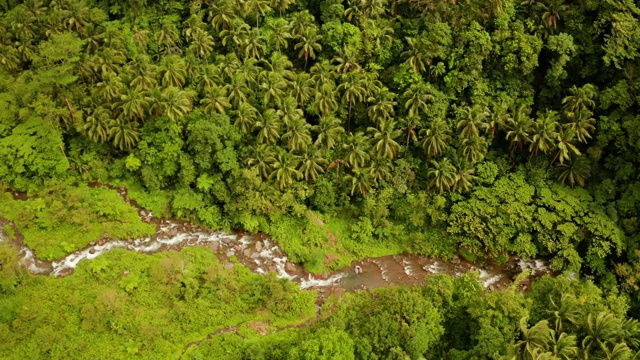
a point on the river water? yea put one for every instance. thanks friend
(262, 255)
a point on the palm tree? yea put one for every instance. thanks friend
(383, 140)
(356, 150)
(473, 149)
(325, 102)
(216, 100)
(297, 136)
(221, 14)
(308, 43)
(536, 337)
(574, 172)
(581, 123)
(246, 118)
(323, 75)
(464, 179)
(418, 96)
(259, 7)
(301, 87)
(351, 89)
(201, 44)
(285, 169)
(261, 160)
(301, 22)
(360, 179)
(132, 105)
(329, 130)
(273, 89)
(410, 124)
(238, 90)
(544, 131)
(442, 175)
(416, 55)
(110, 87)
(173, 71)
(383, 105)
(269, 127)
(96, 125)
(601, 329)
(289, 111)
(380, 169)
(565, 312)
(564, 347)
(280, 34)
(143, 73)
(310, 164)
(281, 5)
(580, 98)
(176, 103)
(123, 133)
(552, 11)
(472, 120)
(435, 138)
(254, 44)
(565, 146)
(519, 129)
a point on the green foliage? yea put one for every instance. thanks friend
(65, 218)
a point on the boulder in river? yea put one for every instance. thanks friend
(255, 255)
(174, 232)
(259, 246)
(289, 267)
(246, 252)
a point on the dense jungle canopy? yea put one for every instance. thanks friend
(344, 130)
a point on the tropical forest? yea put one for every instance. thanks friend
(320, 179)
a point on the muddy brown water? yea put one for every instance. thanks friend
(262, 255)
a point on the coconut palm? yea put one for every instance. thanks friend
(221, 14)
(410, 124)
(257, 7)
(308, 43)
(472, 121)
(581, 123)
(441, 174)
(329, 130)
(273, 88)
(262, 157)
(565, 313)
(574, 172)
(564, 347)
(464, 179)
(380, 169)
(280, 34)
(289, 112)
(536, 337)
(435, 138)
(311, 162)
(297, 136)
(202, 44)
(565, 146)
(301, 22)
(254, 44)
(473, 149)
(216, 100)
(123, 133)
(238, 90)
(600, 328)
(545, 130)
(382, 107)
(351, 89)
(143, 73)
(416, 55)
(285, 170)
(418, 96)
(323, 75)
(176, 103)
(96, 125)
(580, 98)
(173, 71)
(519, 128)
(281, 5)
(301, 87)
(383, 140)
(325, 101)
(246, 118)
(132, 105)
(356, 150)
(110, 87)
(268, 127)
(361, 180)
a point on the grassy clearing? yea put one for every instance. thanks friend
(63, 219)
(131, 306)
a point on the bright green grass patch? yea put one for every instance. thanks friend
(325, 244)
(158, 202)
(64, 219)
(125, 305)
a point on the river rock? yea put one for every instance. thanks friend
(226, 240)
(247, 252)
(255, 255)
(455, 261)
(273, 269)
(92, 251)
(259, 246)
(228, 266)
(214, 246)
(237, 248)
(289, 267)
(173, 232)
(230, 253)
(93, 243)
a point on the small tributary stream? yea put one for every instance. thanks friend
(262, 255)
